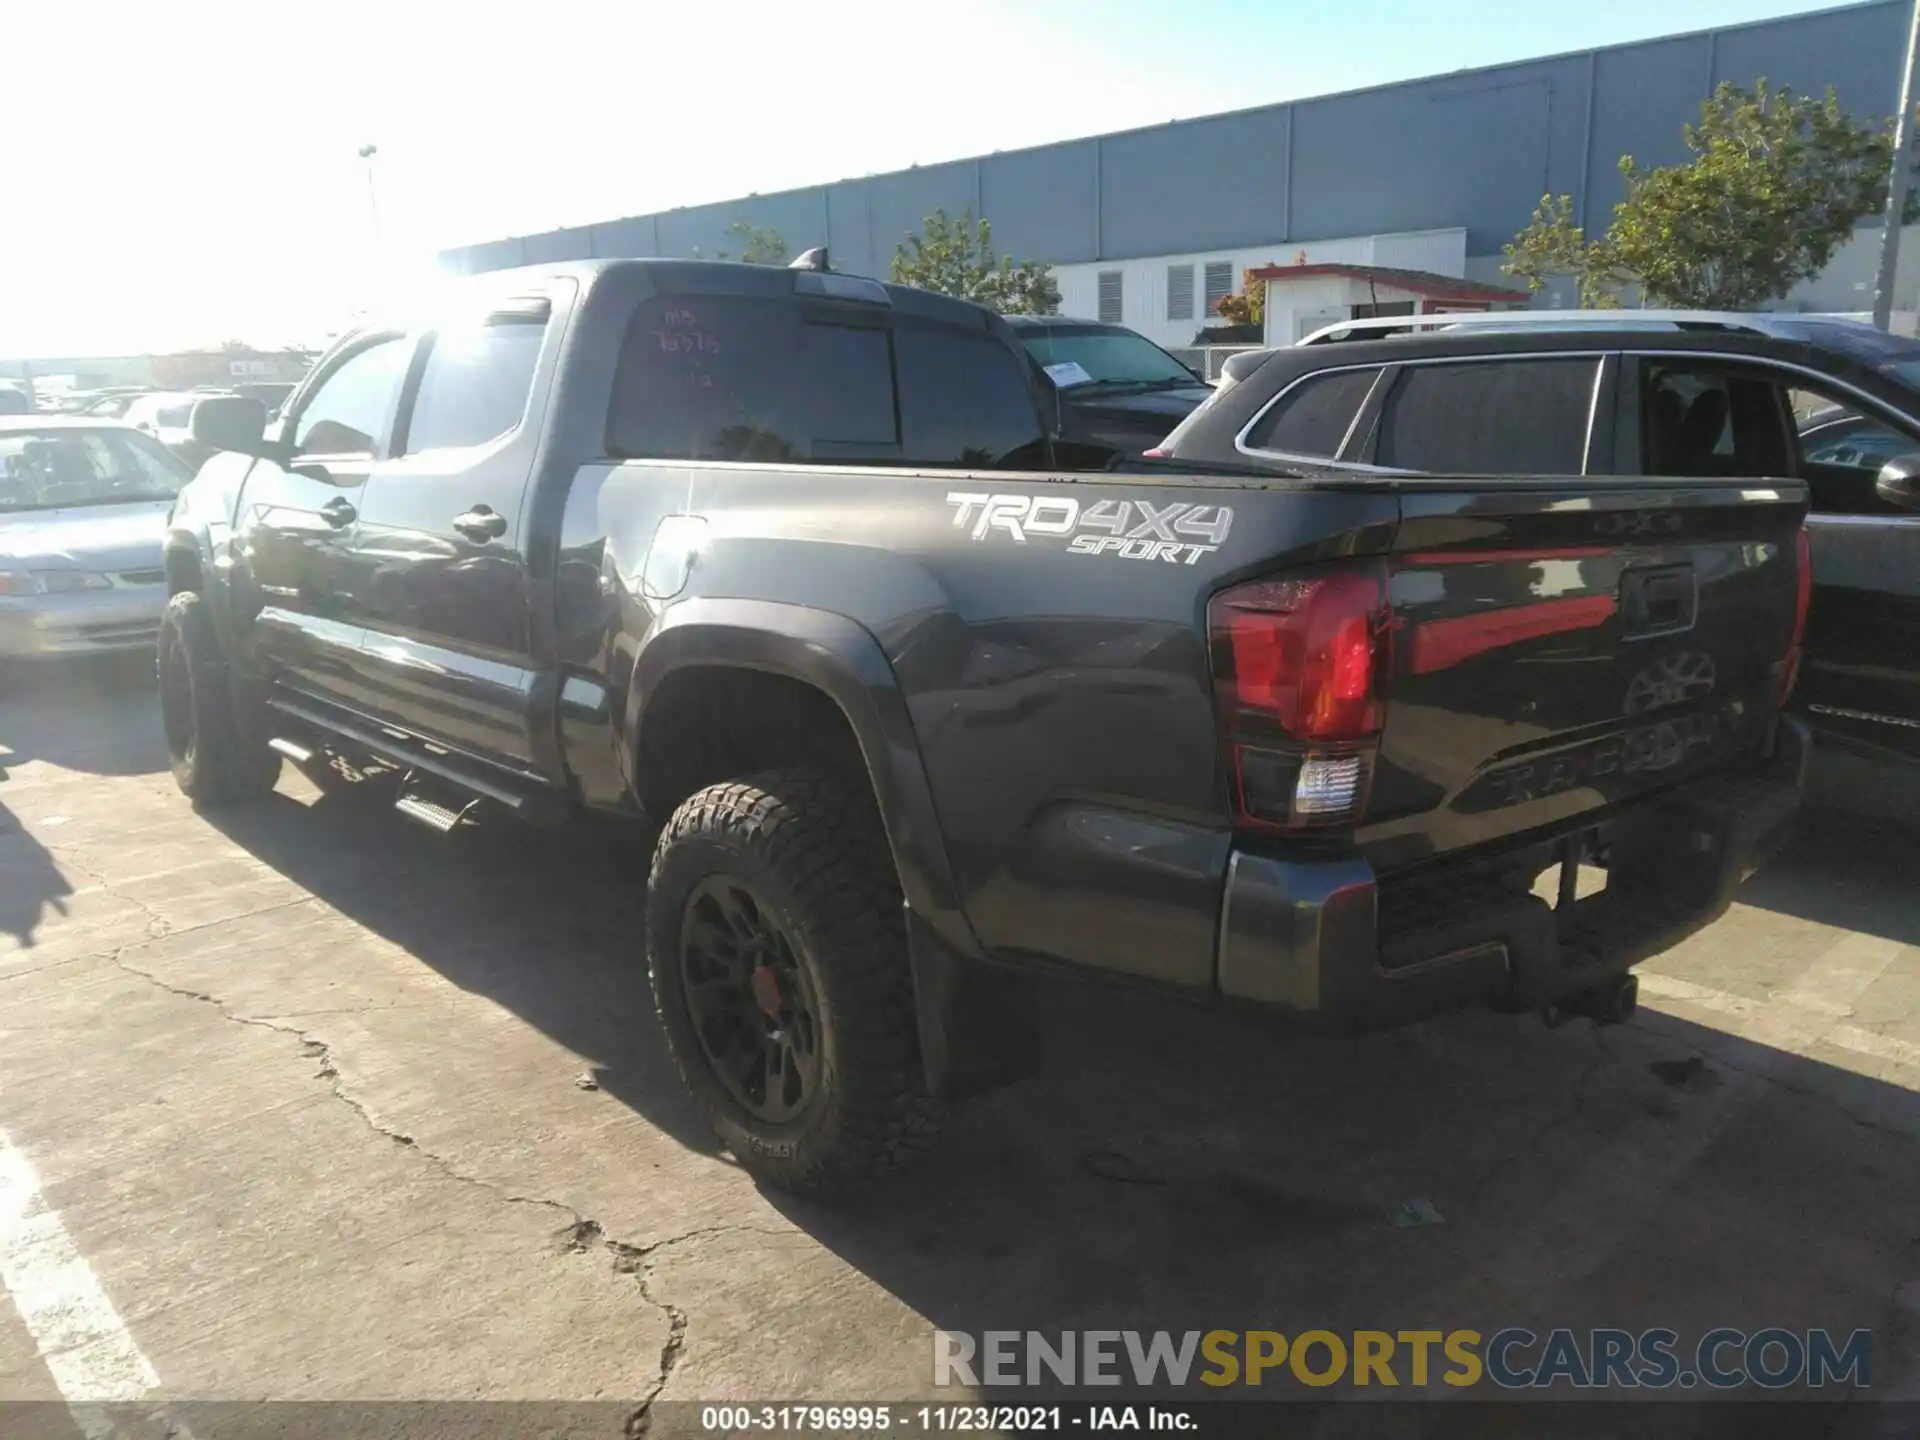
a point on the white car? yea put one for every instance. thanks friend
(83, 510)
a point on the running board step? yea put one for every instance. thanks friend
(298, 754)
(431, 813)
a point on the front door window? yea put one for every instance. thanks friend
(346, 415)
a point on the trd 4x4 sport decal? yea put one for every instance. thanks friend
(1130, 529)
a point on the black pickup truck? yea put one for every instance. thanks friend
(784, 562)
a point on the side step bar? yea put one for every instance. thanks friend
(407, 754)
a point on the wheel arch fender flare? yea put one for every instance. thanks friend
(188, 549)
(185, 545)
(977, 1019)
(840, 658)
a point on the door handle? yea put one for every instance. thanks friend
(481, 524)
(338, 512)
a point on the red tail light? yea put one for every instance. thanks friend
(1789, 670)
(1299, 668)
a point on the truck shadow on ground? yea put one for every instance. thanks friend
(1178, 1169)
(548, 923)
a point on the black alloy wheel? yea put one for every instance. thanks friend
(752, 1004)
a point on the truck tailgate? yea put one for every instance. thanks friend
(1558, 649)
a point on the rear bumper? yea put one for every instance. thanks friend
(101, 622)
(1327, 940)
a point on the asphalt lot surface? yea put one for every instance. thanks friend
(332, 1108)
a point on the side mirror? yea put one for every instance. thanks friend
(231, 422)
(1899, 482)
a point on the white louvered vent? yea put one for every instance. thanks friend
(1219, 283)
(1180, 292)
(1110, 302)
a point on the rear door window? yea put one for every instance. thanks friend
(1313, 417)
(1709, 418)
(725, 377)
(738, 378)
(1490, 417)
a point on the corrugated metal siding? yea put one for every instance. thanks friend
(1041, 202)
(1204, 185)
(1442, 251)
(627, 238)
(1473, 150)
(557, 245)
(1629, 118)
(1857, 51)
(850, 205)
(902, 202)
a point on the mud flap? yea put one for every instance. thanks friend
(979, 1024)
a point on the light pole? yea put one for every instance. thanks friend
(367, 152)
(1897, 183)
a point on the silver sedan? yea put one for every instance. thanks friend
(83, 507)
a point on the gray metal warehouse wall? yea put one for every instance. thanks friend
(1475, 149)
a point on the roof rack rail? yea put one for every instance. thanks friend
(1386, 325)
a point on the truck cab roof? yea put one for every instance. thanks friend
(722, 277)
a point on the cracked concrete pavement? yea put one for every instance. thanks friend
(337, 1109)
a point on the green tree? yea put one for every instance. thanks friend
(1249, 307)
(1776, 184)
(954, 256)
(760, 245)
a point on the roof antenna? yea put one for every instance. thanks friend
(814, 259)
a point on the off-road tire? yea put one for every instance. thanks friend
(216, 735)
(812, 847)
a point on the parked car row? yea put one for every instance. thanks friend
(1854, 403)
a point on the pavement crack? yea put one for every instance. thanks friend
(637, 1260)
(580, 1234)
(640, 1421)
(633, 1259)
(158, 925)
(316, 1049)
(42, 969)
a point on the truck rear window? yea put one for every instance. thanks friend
(737, 378)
